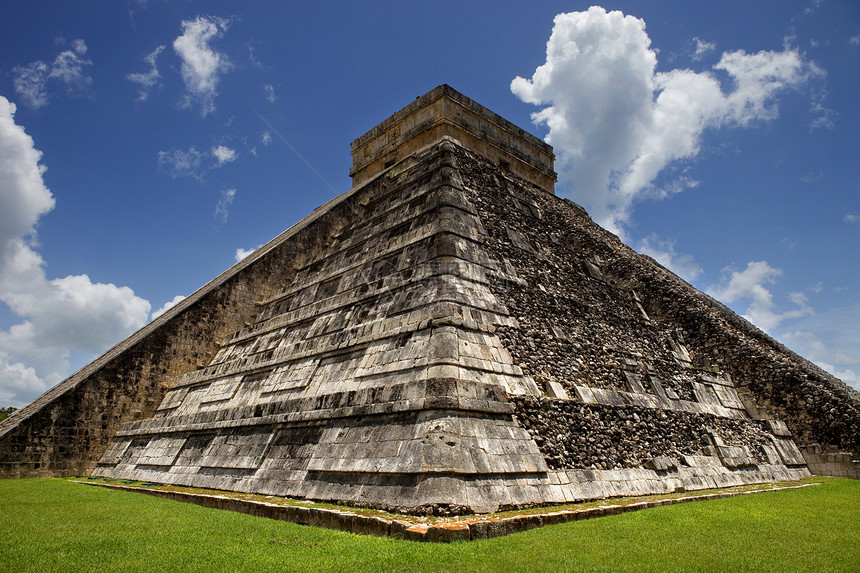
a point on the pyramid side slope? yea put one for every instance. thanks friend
(602, 320)
(66, 429)
(386, 371)
(370, 377)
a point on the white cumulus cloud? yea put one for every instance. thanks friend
(147, 80)
(67, 69)
(848, 375)
(750, 287)
(202, 66)
(223, 154)
(616, 123)
(167, 306)
(58, 315)
(243, 253)
(23, 195)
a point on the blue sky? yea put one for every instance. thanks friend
(146, 145)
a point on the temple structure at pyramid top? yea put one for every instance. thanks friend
(447, 336)
(442, 112)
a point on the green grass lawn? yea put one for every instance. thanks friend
(57, 525)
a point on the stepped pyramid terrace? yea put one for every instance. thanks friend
(448, 336)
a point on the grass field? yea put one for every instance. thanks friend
(56, 525)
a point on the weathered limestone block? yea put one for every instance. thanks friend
(445, 337)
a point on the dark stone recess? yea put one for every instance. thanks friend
(573, 435)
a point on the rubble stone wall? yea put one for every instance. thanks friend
(595, 436)
(596, 318)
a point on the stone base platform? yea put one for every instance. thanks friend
(459, 529)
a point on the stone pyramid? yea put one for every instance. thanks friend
(448, 336)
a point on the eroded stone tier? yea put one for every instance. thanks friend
(373, 377)
(437, 356)
(447, 336)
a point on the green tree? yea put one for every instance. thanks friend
(6, 412)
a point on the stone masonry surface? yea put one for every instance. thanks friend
(446, 337)
(357, 425)
(601, 323)
(371, 377)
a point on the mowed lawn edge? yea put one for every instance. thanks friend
(57, 525)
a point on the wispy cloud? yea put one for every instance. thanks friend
(813, 177)
(222, 209)
(31, 84)
(252, 57)
(806, 343)
(616, 123)
(851, 218)
(31, 81)
(294, 150)
(148, 79)
(750, 286)
(813, 7)
(663, 251)
(193, 163)
(181, 163)
(831, 339)
(133, 7)
(822, 115)
(202, 66)
(269, 93)
(702, 48)
(68, 69)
